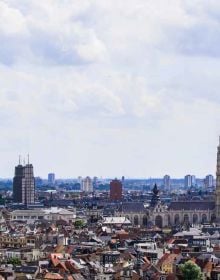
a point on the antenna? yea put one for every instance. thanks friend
(28, 158)
(24, 161)
(19, 159)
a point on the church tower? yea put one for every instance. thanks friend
(217, 196)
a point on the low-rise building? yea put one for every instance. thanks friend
(50, 214)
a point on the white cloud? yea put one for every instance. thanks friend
(85, 80)
(12, 22)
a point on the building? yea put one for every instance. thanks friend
(51, 178)
(49, 214)
(217, 196)
(189, 181)
(123, 181)
(38, 181)
(209, 181)
(24, 184)
(87, 185)
(115, 190)
(166, 182)
(166, 263)
(95, 181)
(178, 213)
(120, 221)
(193, 180)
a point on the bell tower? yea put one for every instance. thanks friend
(217, 195)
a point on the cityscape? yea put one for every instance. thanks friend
(109, 228)
(110, 140)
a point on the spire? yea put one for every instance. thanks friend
(19, 159)
(28, 158)
(217, 195)
(155, 197)
(155, 190)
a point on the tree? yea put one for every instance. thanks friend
(79, 223)
(14, 261)
(191, 271)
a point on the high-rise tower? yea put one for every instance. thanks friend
(217, 196)
(51, 178)
(115, 190)
(17, 184)
(166, 182)
(24, 184)
(87, 185)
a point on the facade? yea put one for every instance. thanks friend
(12, 241)
(123, 181)
(50, 214)
(189, 181)
(51, 178)
(95, 180)
(177, 213)
(24, 184)
(122, 221)
(217, 197)
(87, 185)
(115, 190)
(166, 182)
(209, 181)
(193, 178)
(18, 241)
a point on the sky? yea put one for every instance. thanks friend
(110, 88)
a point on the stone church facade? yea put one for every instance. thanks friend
(177, 212)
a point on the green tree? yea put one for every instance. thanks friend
(79, 223)
(14, 261)
(191, 271)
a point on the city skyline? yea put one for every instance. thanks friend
(110, 89)
(51, 177)
(25, 160)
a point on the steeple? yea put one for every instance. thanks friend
(155, 197)
(217, 198)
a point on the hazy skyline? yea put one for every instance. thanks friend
(110, 88)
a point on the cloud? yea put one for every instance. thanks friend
(78, 74)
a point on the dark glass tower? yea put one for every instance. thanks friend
(17, 184)
(24, 184)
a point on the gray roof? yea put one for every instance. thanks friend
(129, 207)
(192, 205)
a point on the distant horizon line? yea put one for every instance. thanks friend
(114, 177)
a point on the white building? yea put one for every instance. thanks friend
(209, 181)
(51, 214)
(189, 181)
(116, 221)
(87, 185)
